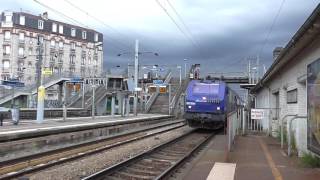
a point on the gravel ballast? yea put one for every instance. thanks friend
(88, 165)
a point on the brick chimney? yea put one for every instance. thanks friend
(276, 52)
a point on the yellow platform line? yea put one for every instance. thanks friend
(275, 171)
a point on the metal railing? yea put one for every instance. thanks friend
(289, 135)
(154, 96)
(32, 89)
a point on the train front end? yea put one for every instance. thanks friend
(205, 104)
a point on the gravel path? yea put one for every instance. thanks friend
(89, 165)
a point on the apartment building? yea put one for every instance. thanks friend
(66, 49)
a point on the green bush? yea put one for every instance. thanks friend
(284, 136)
(309, 160)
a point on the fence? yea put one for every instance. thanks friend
(233, 126)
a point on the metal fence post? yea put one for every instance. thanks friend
(113, 101)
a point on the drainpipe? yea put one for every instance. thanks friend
(281, 128)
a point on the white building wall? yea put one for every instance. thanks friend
(286, 80)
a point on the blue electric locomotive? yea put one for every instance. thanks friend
(208, 102)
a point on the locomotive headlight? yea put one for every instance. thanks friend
(190, 103)
(189, 107)
(218, 108)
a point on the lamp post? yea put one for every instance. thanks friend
(185, 67)
(136, 73)
(179, 67)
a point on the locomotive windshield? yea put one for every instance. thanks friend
(202, 88)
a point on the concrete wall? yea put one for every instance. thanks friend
(284, 81)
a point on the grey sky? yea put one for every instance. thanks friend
(226, 31)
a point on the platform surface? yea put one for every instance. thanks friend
(260, 157)
(30, 126)
(215, 152)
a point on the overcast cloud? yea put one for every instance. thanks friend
(226, 31)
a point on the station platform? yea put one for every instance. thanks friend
(252, 158)
(30, 128)
(260, 157)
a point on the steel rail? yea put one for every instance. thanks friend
(40, 164)
(115, 168)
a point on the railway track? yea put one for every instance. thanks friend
(157, 163)
(31, 164)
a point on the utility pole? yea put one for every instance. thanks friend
(136, 65)
(64, 105)
(179, 67)
(93, 100)
(185, 68)
(249, 71)
(41, 90)
(258, 64)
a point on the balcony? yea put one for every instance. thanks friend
(6, 24)
(52, 50)
(6, 56)
(22, 42)
(72, 51)
(5, 70)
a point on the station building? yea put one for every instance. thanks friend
(291, 86)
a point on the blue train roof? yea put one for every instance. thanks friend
(206, 87)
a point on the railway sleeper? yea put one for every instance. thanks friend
(178, 153)
(169, 157)
(142, 172)
(155, 163)
(125, 175)
(146, 168)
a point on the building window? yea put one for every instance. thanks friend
(6, 64)
(22, 20)
(54, 27)
(29, 64)
(60, 29)
(30, 51)
(40, 24)
(292, 96)
(72, 58)
(8, 18)
(73, 32)
(83, 60)
(21, 51)
(60, 44)
(73, 45)
(7, 35)
(53, 43)
(21, 36)
(96, 37)
(7, 50)
(84, 34)
(89, 60)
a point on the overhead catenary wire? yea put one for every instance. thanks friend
(271, 27)
(176, 23)
(70, 19)
(97, 19)
(100, 21)
(182, 21)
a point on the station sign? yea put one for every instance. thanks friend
(152, 89)
(138, 89)
(257, 114)
(46, 71)
(162, 89)
(13, 83)
(157, 81)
